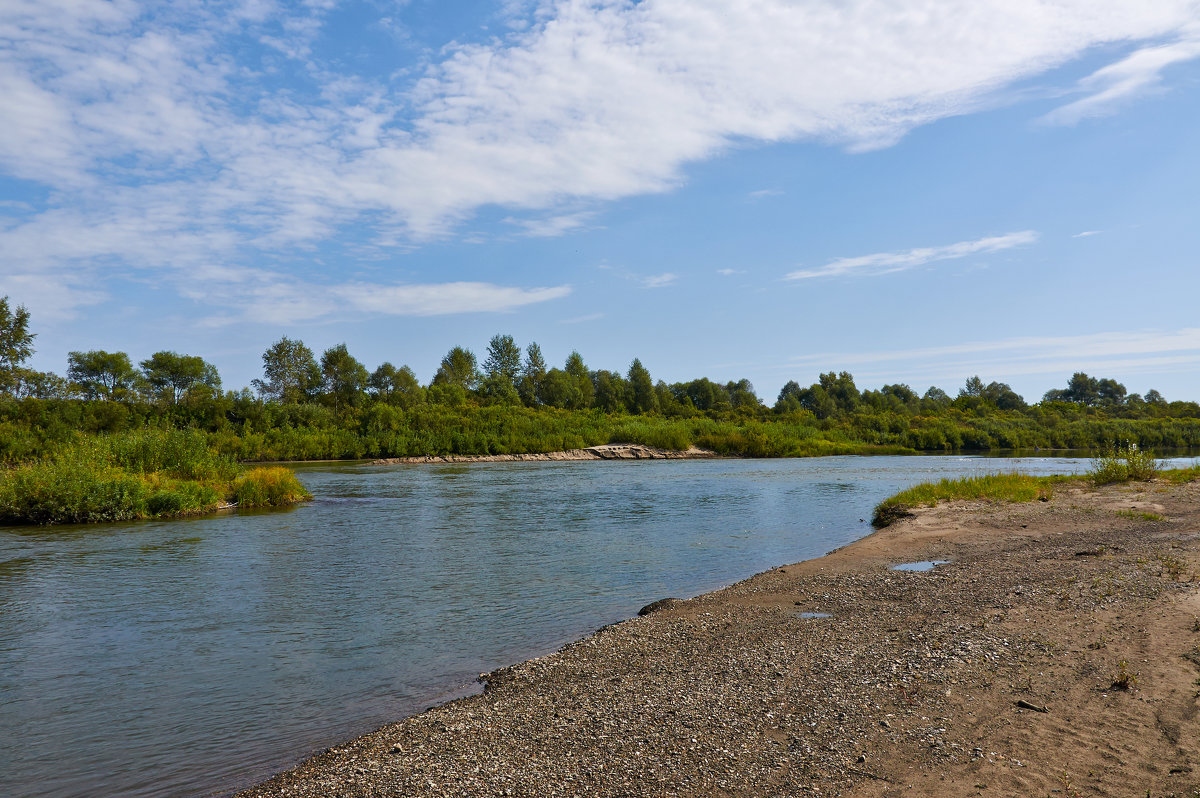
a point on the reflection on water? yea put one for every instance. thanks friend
(190, 657)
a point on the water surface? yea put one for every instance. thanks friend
(192, 657)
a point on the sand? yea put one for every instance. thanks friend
(1056, 654)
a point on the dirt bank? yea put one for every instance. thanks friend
(611, 451)
(998, 674)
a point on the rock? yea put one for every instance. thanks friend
(655, 606)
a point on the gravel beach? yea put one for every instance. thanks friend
(1057, 652)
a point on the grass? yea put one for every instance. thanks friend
(1123, 463)
(149, 473)
(989, 487)
(1140, 516)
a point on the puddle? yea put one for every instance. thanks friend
(814, 615)
(923, 565)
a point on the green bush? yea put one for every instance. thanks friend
(1123, 463)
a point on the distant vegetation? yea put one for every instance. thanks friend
(511, 401)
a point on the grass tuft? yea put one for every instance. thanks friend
(989, 487)
(271, 486)
(1123, 463)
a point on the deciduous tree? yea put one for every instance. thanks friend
(291, 372)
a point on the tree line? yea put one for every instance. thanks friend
(512, 401)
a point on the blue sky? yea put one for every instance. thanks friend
(913, 191)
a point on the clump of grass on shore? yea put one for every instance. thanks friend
(1122, 464)
(272, 486)
(1180, 476)
(148, 473)
(989, 487)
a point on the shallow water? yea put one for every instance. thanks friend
(919, 567)
(193, 657)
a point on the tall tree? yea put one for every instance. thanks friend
(171, 375)
(642, 398)
(16, 344)
(102, 375)
(458, 368)
(291, 371)
(344, 378)
(576, 369)
(503, 359)
(533, 372)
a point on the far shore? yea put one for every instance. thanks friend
(1057, 652)
(610, 451)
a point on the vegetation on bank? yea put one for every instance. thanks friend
(59, 436)
(150, 473)
(1119, 464)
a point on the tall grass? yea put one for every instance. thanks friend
(146, 473)
(988, 487)
(1123, 463)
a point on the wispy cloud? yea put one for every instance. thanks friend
(659, 280)
(1087, 233)
(1109, 87)
(730, 272)
(552, 226)
(886, 262)
(583, 319)
(765, 192)
(162, 138)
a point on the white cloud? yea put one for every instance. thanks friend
(1087, 233)
(552, 226)
(658, 280)
(1116, 84)
(730, 272)
(583, 319)
(887, 262)
(162, 143)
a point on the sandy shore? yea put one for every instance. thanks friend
(609, 451)
(998, 674)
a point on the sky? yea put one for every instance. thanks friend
(913, 191)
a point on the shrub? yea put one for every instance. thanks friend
(1122, 464)
(270, 486)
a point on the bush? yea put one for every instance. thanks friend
(271, 486)
(1122, 464)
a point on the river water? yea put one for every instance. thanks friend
(193, 657)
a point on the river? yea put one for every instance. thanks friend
(193, 657)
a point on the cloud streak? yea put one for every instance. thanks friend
(160, 139)
(888, 262)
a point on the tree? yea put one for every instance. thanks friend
(396, 386)
(974, 387)
(576, 369)
(102, 375)
(458, 368)
(841, 390)
(1153, 397)
(503, 359)
(16, 343)
(291, 371)
(171, 375)
(642, 398)
(1082, 389)
(343, 377)
(532, 373)
(742, 395)
(612, 391)
(560, 389)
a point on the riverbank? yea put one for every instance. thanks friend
(611, 451)
(1057, 651)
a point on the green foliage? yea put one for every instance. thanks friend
(170, 375)
(1123, 463)
(131, 475)
(269, 487)
(642, 398)
(343, 377)
(989, 487)
(16, 344)
(102, 375)
(291, 372)
(458, 368)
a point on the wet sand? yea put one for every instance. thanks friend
(1056, 654)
